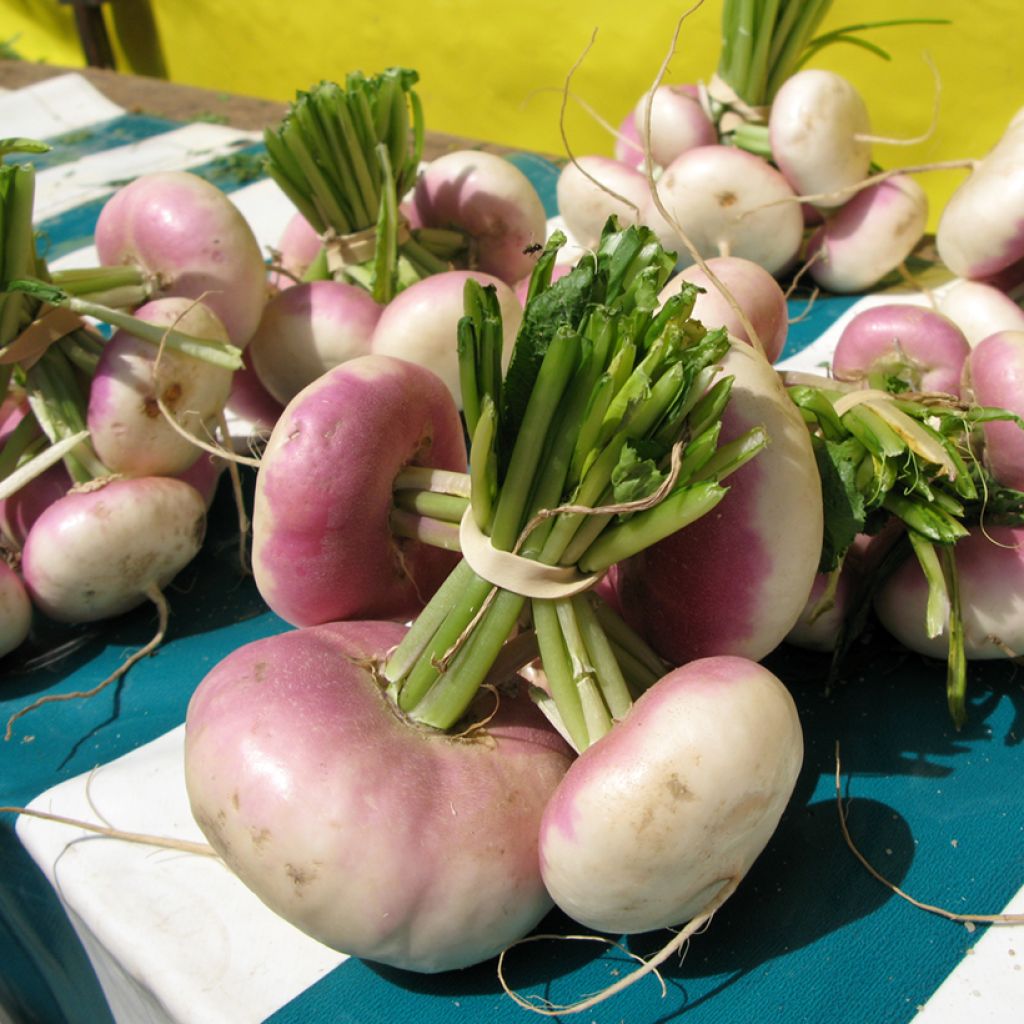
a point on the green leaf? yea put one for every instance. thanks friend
(843, 504)
(635, 476)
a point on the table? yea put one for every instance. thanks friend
(808, 937)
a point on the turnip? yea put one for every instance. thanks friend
(589, 191)
(748, 285)
(15, 610)
(981, 229)
(728, 203)
(250, 405)
(420, 324)
(994, 376)
(923, 349)
(298, 246)
(308, 329)
(677, 122)
(818, 127)
(669, 810)
(104, 549)
(20, 510)
(384, 840)
(980, 309)
(868, 236)
(187, 239)
(492, 201)
(323, 547)
(990, 579)
(736, 581)
(137, 391)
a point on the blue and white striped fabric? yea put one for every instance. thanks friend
(809, 937)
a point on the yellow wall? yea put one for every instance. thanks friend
(493, 72)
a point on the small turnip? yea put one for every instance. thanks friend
(678, 123)
(322, 544)
(308, 329)
(420, 324)
(817, 127)
(994, 376)
(191, 241)
(102, 550)
(673, 806)
(980, 309)
(15, 610)
(751, 287)
(585, 206)
(492, 201)
(729, 203)
(924, 349)
(981, 230)
(990, 570)
(129, 430)
(868, 236)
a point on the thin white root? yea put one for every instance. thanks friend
(565, 137)
(183, 845)
(548, 1009)
(244, 522)
(154, 594)
(892, 887)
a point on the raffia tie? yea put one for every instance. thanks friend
(737, 111)
(49, 327)
(515, 573)
(356, 247)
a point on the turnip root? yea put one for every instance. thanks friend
(994, 376)
(672, 807)
(585, 206)
(990, 571)
(251, 403)
(20, 510)
(980, 309)
(387, 841)
(737, 580)
(104, 549)
(751, 287)
(981, 230)
(678, 123)
(130, 432)
(817, 127)
(421, 323)
(492, 201)
(322, 544)
(920, 347)
(298, 246)
(191, 241)
(308, 329)
(729, 203)
(15, 610)
(869, 236)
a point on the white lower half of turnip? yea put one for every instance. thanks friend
(104, 549)
(15, 610)
(670, 809)
(385, 840)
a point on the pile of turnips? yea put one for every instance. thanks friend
(533, 521)
(772, 161)
(104, 481)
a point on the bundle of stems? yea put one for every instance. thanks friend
(345, 156)
(886, 453)
(601, 438)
